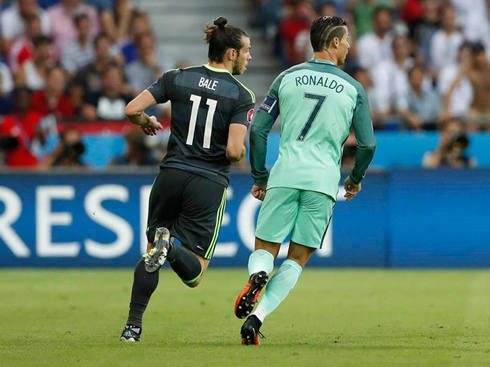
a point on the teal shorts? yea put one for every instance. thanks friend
(303, 214)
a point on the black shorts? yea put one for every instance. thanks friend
(190, 206)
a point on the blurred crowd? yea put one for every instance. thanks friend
(69, 60)
(423, 63)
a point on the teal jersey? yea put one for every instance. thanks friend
(318, 104)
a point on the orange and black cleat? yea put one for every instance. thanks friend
(247, 299)
(250, 331)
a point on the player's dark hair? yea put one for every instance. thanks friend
(221, 37)
(324, 30)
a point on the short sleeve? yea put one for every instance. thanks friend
(161, 88)
(244, 108)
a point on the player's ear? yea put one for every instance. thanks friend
(231, 54)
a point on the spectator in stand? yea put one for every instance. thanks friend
(21, 124)
(299, 19)
(148, 67)
(110, 103)
(52, 99)
(458, 104)
(422, 30)
(115, 22)
(68, 151)
(33, 72)
(446, 41)
(90, 76)
(472, 17)
(6, 88)
(302, 45)
(372, 48)
(363, 77)
(62, 25)
(76, 94)
(424, 104)
(137, 152)
(390, 83)
(269, 17)
(411, 12)
(79, 52)
(452, 149)
(22, 48)
(101, 5)
(363, 11)
(6, 81)
(139, 26)
(14, 18)
(477, 70)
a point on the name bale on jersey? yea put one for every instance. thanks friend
(324, 82)
(208, 83)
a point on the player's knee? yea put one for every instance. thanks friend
(194, 284)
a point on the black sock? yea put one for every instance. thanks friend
(144, 284)
(184, 263)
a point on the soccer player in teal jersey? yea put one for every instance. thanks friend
(318, 104)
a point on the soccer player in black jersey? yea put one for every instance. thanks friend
(211, 111)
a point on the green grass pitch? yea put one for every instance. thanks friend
(332, 318)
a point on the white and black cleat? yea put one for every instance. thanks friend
(131, 334)
(155, 258)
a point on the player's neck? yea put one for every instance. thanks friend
(325, 55)
(221, 65)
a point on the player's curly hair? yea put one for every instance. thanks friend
(221, 37)
(324, 30)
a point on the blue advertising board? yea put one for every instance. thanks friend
(439, 218)
(98, 220)
(402, 218)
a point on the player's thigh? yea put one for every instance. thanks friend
(277, 214)
(202, 208)
(314, 214)
(164, 203)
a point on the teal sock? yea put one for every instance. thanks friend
(260, 260)
(278, 288)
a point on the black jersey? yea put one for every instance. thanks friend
(205, 101)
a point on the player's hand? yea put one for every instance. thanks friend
(351, 189)
(151, 126)
(258, 192)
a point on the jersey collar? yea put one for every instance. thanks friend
(207, 66)
(321, 61)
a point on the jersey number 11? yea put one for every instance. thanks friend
(208, 129)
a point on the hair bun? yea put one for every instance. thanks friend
(220, 22)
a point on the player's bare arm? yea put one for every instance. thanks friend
(135, 111)
(235, 149)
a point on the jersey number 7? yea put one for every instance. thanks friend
(208, 129)
(318, 105)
